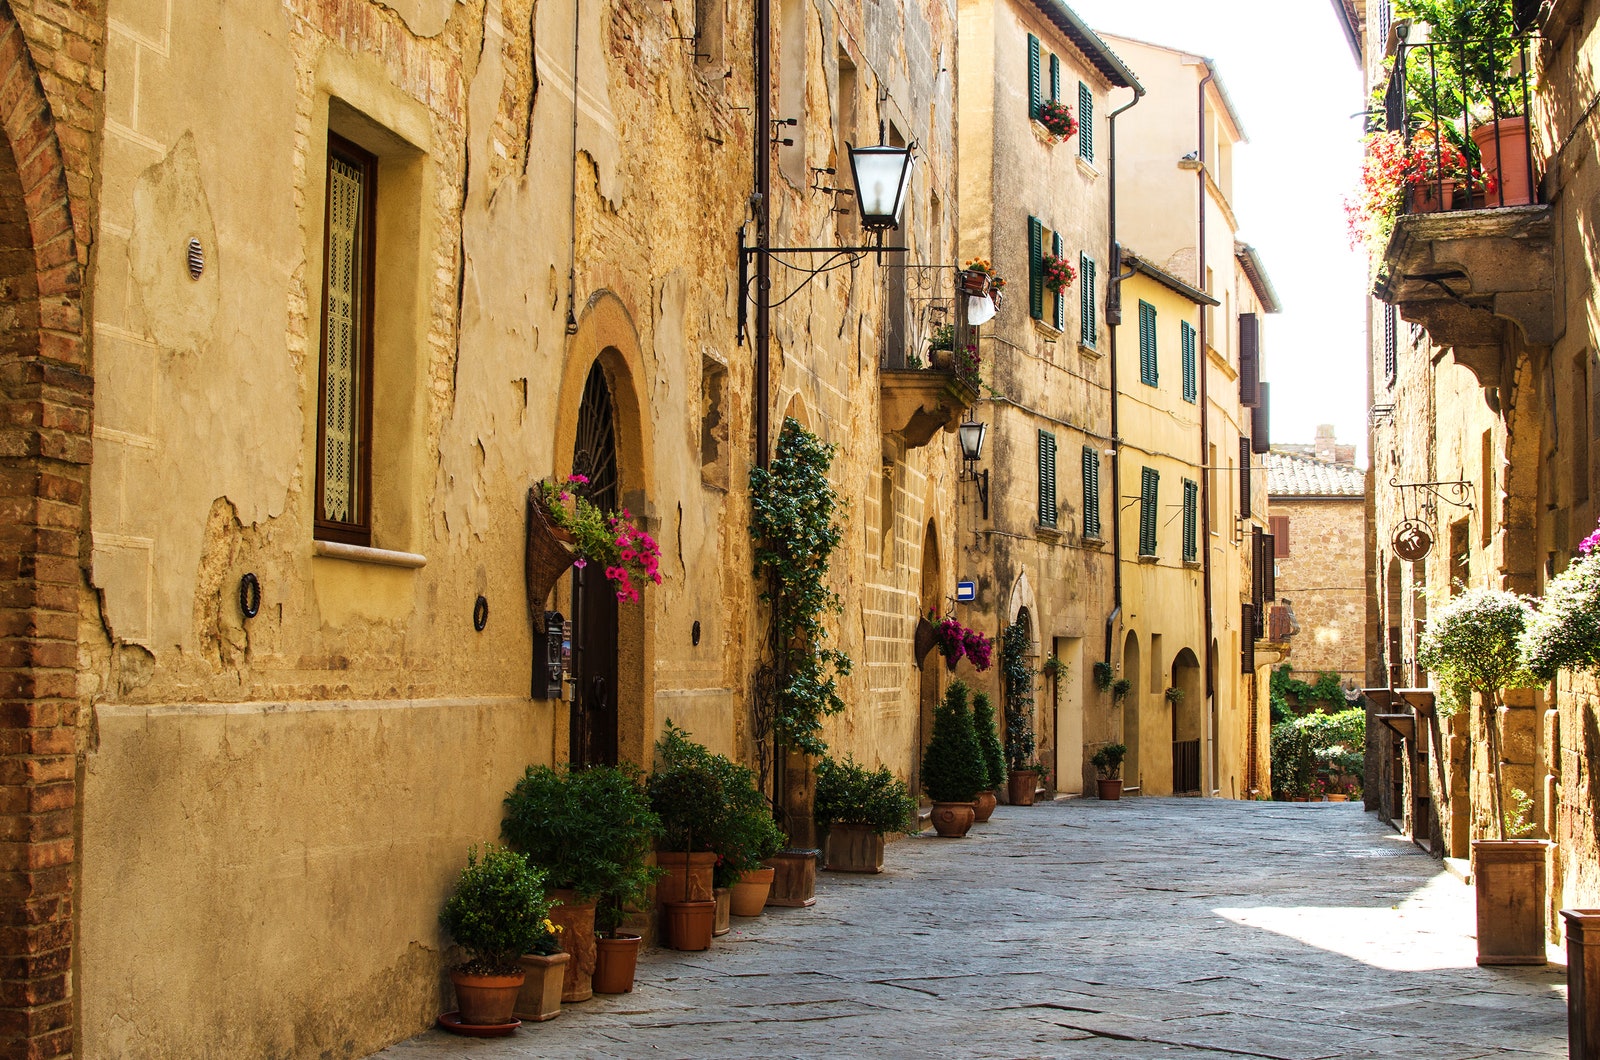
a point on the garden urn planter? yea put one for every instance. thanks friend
(1583, 983)
(485, 1000)
(723, 923)
(616, 958)
(854, 848)
(577, 938)
(1503, 146)
(543, 980)
(1508, 875)
(952, 820)
(690, 924)
(750, 892)
(1110, 789)
(794, 884)
(987, 801)
(1021, 785)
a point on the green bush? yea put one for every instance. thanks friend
(1564, 633)
(1108, 760)
(1314, 745)
(994, 758)
(497, 910)
(708, 802)
(850, 793)
(952, 766)
(590, 830)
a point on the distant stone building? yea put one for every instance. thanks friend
(1316, 506)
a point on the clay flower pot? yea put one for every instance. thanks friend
(795, 883)
(577, 938)
(616, 958)
(1110, 789)
(690, 924)
(1509, 878)
(854, 848)
(1503, 146)
(952, 820)
(1021, 785)
(485, 1000)
(723, 923)
(987, 801)
(544, 978)
(749, 896)
(701, 864)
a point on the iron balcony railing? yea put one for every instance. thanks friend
(1461, 109)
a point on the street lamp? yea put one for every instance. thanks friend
(882, 174)
(971, 435)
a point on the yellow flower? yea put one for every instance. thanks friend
(552, 928)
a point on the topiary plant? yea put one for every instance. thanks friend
(1564, 633)
(850, 793)
(994, 758)
(952, 766)
(497, 910)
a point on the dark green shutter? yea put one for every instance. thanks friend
(1091, 491)
(1035, 96)
(1055, 78)
(1191, 511)
(1191, 391)
(1085, 122)
(1149, 495)
(1249, 359)
(1148, 372)
(1060, 296)
(1035, 268)
(1244, 478)
(1047, 479)
(1088, 329)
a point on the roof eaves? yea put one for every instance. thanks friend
(1350, 24)
(1167, 280)
(1256, 272)
(1108, 62)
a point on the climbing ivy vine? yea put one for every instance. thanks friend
(1017, 678)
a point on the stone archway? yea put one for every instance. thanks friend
(45, 421)
(1133, 673)
(1188, 720)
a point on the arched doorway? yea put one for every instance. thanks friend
(1392, 609)
(1133, 673)
(928, 679)
(593, 733)
(1186, 724)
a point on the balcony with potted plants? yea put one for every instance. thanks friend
(1449, 200)
(926, 387)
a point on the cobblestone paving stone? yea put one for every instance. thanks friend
(1194, 929)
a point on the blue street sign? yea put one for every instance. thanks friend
(966, 592)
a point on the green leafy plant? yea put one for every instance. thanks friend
(1104, 676)
(1054, 668)
(1474, 57)
(1328, 689)
(952, 766)
(590, 830)
(1473, 643)
(610, 540)
(1107, 761)
(1318, 746)
(1016, 678)
(746, 834)
(707, 802)
(1120, 689)
(1174, 695)
(1564, 633)
(994, 757)
(850, 793)
(792, 521)
(496, 911)
(1520, 825)
(944, 337)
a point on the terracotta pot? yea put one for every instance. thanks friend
(1503, 146)
(1508, 876)
(1434, 197)
(1583, 982)
(794, 885)
(577, 938)
(750, 892)
(1338, 798)
(616, 958)
(987, 801)
(670, 888)
(1110, 788)
(952, 820)
(722, 924)
(1021, 785)
(484, 1000)
(543, 980)
(690, 924)
(854, 848)
(974, 283)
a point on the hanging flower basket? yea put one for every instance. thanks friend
(979, 278)
(1058, 120)
(1058, 273)
(630, 556)
(549, 552)
(955, 640)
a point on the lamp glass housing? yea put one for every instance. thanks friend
(882, 174)
(971, 434)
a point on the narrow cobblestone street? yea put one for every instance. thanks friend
(1146, 928)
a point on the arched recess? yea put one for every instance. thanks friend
(795, 410)
(607, 339)
(1394, 621)
(1213, 738)
(46, 413)
(1188, 739)
(1024, 605)
(929, 678)
(1133, 673)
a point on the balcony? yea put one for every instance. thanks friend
(928, 379)
(917, 403)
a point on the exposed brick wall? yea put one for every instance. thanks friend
(45, 422)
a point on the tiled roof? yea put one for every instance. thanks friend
(1289, 475)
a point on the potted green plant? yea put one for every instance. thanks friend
(1120, 689)
(590, 830)
(495, 913)
(858, 807)
(994, 756)
(544, 969)
(1174, 695)
(686, 792)
(742, 836)
(1104, 676)
(1107, 762)
(1474, 645)
(953, 771)
(1016, 678)
(1057, 119)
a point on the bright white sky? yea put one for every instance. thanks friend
(1295, 83)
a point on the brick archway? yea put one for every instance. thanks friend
(45, 416)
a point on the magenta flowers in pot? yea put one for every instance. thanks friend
(955, 640)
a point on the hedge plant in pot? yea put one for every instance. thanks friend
(1474, 645)
(994, 756)
(1108, 763)
(1016, 677)
(952, 767)
(686, 792)
(744, 835)
(858, 807)
(591, 831)
(495, 913)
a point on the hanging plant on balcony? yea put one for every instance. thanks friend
(967, 362)
(630, 556)
(1058, 273)
(955, 640)
(1058, 120)
(992, 283)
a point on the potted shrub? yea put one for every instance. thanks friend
(1107, 762)
(952, 767)
(686, 792)
(590, 830)
(616, 950)
(994, 757)
(495, 913)
(858, 807)
(544, 971)
(1016, 676)
(1174, 695)
(742, 837)
(1474, 644)
(1057, 119)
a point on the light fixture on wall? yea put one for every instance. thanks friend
(882, 175)
(971, 434)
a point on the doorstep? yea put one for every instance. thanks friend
(1460, 868)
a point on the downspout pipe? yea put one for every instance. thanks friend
(1113, 319)
(1205, 412)
(761, 201)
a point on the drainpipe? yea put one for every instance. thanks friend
(761, 200)
(1113, 319)
(1205, 432)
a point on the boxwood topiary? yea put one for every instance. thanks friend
(994, 757)
(952, 766)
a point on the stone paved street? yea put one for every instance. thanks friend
(1147, 928)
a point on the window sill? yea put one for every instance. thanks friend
(1087, 168)
(1047, 533)
(1092, 542)
(1192, 564)
(1050, 332)
(1149, 559)
(383, 557)
(1090, 351)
